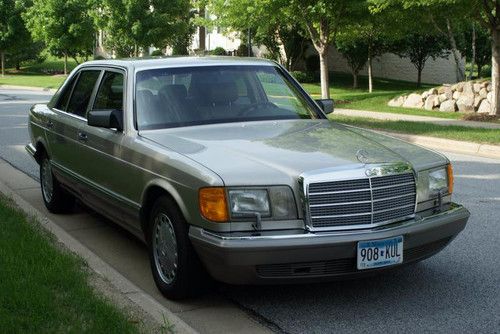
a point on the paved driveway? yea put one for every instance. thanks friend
(456, 290)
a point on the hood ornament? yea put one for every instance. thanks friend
(362, 156)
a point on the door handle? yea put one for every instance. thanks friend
(82, 136)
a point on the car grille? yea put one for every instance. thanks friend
(361, 203)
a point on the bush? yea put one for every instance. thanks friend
(98, 57)
(218, 51)
(156, 53)
(312, 63)
(305, 77)
(242, 51)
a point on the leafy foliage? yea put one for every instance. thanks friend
(65, 26)
(134, 24)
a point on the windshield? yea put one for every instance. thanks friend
(173, 97)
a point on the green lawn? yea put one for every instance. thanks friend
(488, 136)
(45, 289)
(38, 74)
(384, 90)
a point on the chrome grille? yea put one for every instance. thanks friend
(362, 202)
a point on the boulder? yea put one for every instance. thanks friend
(449, 93)
(433, 91)
(489, 96)
(431, 101)
(443, 97)
(458, 87)
(477, 87)
(397, 101)
(413, 101)
(448, 105)
(425, 95)
(456, 95)
(483, 93)
(466, 102)
(441, 89)
(484, 107)
(488, 88)
(477, 101)
(468, 88)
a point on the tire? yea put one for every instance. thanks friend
(175, 266)
(55, 198)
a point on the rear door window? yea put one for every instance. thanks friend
(82, 92)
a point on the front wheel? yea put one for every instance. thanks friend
(176, 269)
(55, 198)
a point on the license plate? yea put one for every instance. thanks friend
(380, 253)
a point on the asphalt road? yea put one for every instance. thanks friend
(457, 290)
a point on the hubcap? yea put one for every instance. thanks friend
(165, 248)
(47, 185)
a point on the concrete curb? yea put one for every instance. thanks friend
(35, 89)
(455, 146)
(101, 268)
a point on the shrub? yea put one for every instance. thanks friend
(242, 51)
(218, 51)
(99, 57)
(305, 77)
(156, 53)
(312, 63)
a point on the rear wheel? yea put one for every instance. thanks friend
(55, 198)
(175, 266)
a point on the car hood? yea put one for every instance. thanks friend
(277, 152)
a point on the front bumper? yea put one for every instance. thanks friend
(274, 257)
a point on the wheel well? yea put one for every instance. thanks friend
(152, 194)
(40, 151)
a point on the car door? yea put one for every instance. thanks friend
(107, 173)
(68, 115)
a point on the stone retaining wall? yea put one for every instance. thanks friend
(463, 97)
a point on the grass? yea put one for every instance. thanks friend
(45, 289)
(384, 90)
(478, 135)
(37, 74)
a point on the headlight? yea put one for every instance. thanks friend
(273, 202)
(432, 182)
(245, 202)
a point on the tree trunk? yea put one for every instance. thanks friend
(354, 79)
(454, 50)
(323, 67)
(18, 66)
(473, 60)
(419, 77)
(370, 73)
(479, 70)
(495, 71)
(2, 56)
(65, 64)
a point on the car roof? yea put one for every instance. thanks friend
(159, 62)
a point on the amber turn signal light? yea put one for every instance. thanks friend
(450, 178)
(213, 204)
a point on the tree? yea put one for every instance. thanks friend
(65, 26)
(356, 54)
(445, 17)
(7, 28)
(481, 42)
(322, 19)
(134, 24)
(487, 14)
(419, 47)
(269, 22)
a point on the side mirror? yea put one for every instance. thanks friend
(109, 119)
(327, 105)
